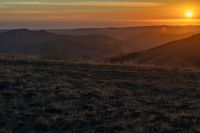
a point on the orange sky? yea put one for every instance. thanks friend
(90, 13)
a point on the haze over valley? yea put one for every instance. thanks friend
(96, 44)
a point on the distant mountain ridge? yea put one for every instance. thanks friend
(44, 43)
(135, 39)
(94, 43)
(184, 52)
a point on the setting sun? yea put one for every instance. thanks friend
(189, 14)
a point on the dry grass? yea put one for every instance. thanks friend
(52, 97)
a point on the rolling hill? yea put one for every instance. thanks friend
(89, 44)
(135, 39)
(46, 44)
(184, 52)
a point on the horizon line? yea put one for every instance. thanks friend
(102, 27)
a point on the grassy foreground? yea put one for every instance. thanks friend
(63, 97)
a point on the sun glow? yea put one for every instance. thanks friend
(189, 14)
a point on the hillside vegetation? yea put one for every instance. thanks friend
(44, 96)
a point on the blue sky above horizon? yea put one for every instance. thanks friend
(95, 13)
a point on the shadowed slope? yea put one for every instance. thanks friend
(185, 52)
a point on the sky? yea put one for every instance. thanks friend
(96, 13)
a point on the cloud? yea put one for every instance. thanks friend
(95, 4)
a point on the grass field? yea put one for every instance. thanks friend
(55, 97)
